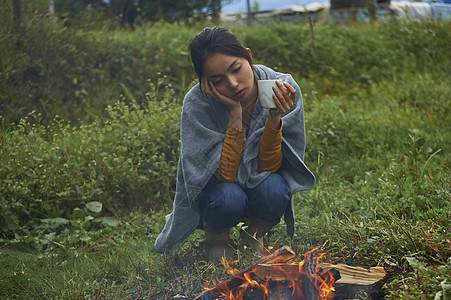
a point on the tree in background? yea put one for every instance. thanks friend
(127, 10)
(147, 10)
(172, 10)
(73, 7)
(18, 17)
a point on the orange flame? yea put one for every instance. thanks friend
(298, 279)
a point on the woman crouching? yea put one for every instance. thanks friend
(238, 161)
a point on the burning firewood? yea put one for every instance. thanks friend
(281, 255)
(277, 277)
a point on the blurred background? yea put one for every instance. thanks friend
(48, 69)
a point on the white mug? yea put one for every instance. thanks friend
(265, 93)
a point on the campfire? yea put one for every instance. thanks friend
(278, 276)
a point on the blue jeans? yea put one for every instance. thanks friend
(224, 204)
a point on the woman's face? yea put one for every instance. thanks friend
(232, 77)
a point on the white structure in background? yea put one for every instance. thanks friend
(415, 11)
(293, 9)
(290, 13)
(418, 11)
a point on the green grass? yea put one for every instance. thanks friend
(382, 198)
(83, 200)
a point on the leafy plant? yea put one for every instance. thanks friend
(126, 160)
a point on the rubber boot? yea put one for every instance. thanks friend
(219, 245)
(252, 236)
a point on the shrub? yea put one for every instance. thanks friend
(59, 70)
(126, 160)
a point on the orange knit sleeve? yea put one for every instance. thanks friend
(270, 153)
(231, 154)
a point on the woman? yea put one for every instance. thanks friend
(238, 161)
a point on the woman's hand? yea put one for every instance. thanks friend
(284, 97)
(209, 88)
(235, 117)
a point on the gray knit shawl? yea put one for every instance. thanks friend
(203, 126)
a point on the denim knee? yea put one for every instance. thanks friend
(268, 201)
(222, 206)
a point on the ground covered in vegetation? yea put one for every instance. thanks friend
(89, 144)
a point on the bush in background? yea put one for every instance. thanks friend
(127, 161)
(76, 73)
(77, 70)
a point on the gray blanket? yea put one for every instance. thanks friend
(203, 127)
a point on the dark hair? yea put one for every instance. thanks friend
(215, 40)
